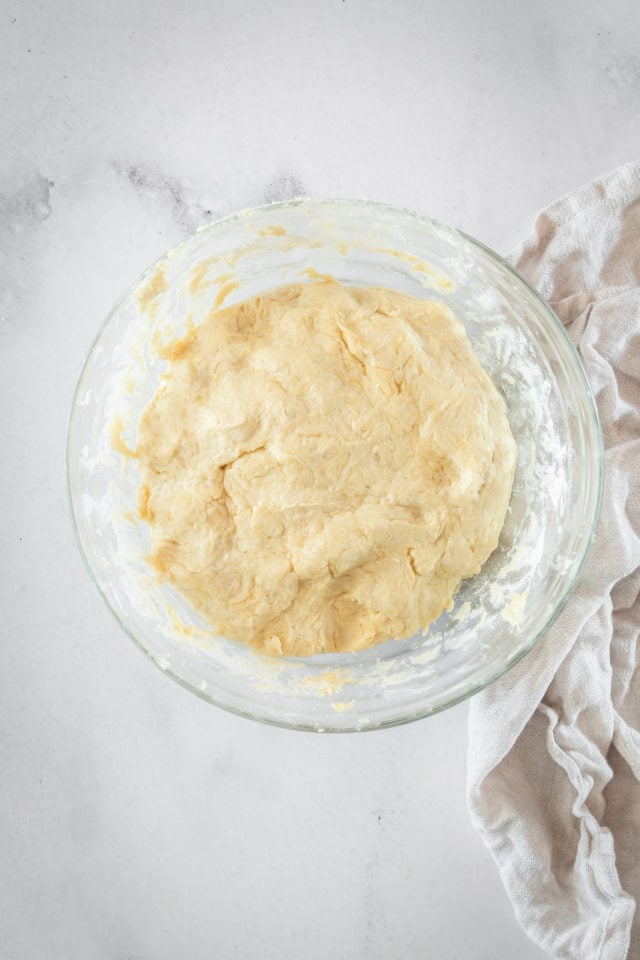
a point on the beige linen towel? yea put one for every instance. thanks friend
(554, 746)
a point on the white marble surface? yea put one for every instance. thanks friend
(138, 823)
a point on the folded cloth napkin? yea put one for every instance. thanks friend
(554, 745)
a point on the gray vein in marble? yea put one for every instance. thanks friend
(153, 184)
(187, 211)
(28, 203)
(25, 205)
(286, 186)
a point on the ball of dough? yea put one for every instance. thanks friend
(322, 466)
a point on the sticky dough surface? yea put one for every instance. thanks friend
(322, 466)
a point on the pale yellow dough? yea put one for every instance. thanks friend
(322, 466)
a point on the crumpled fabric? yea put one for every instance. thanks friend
(554, 745)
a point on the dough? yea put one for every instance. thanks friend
(322, 466)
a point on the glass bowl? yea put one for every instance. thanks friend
(498, 615)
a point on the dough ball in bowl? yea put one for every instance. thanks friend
(322, 466)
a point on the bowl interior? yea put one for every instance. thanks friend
(498, 615)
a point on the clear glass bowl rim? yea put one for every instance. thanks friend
(353, 204)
